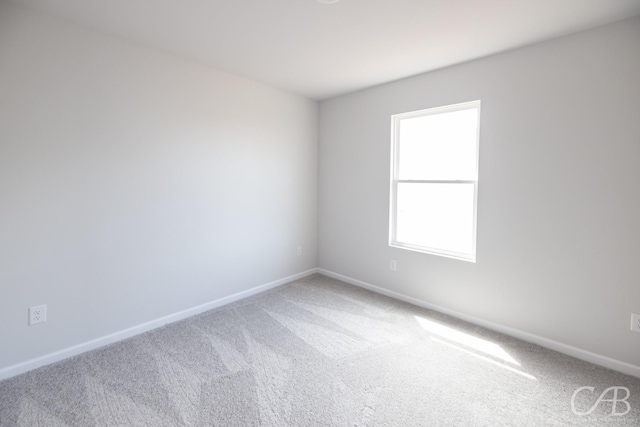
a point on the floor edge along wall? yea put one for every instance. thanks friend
(578, 353)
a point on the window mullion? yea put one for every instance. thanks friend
(436, 181)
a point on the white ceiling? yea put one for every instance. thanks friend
(323, 50)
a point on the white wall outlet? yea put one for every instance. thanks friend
(635, 322)
(37, 314)
(393, 265)
(299, 251)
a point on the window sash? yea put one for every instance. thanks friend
(407, 244)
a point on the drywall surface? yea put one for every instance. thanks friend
(135, 184)
(559, 203)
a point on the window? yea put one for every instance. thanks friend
(434, 180)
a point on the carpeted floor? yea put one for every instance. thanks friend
(319, 352)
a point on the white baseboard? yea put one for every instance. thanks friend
(47, 359)
(578, 353)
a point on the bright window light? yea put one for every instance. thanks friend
(467, 340)
(479, 348)
(486, 359)
(434, 180)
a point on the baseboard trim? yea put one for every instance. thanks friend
(578, 353)
(66, 353)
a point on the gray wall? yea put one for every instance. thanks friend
(134, 184)
(559, 204)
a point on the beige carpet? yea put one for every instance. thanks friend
(319, 352)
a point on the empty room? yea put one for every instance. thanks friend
(319, 213)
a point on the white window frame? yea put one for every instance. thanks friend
(395, 157)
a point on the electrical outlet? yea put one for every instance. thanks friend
(299, 251)
(635, 322)
(393, 265)
(37, 314)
